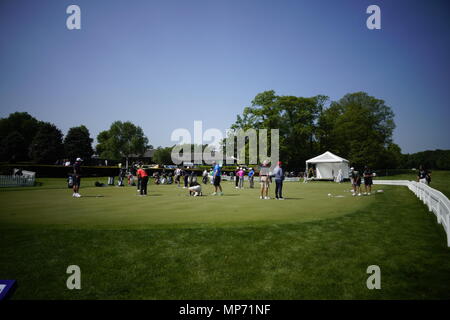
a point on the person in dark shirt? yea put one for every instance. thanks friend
(195, 189)
(356, 181)
(423, 175)
(144, 181)
(186, 178)
(368, 174)
(76, 178)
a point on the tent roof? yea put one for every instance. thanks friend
(326, 157)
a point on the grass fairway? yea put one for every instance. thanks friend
(171, 246)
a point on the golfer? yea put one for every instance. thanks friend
(236, 178)
(195, 189)
(143, 176)
(177, 176)
(368, 174)
(134, 170)
(241, 178)
(76, 178)
(356, 182)
(216, 179)
(264, 179)
(251, 176)
(278, 174)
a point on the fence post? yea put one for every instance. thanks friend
(448, 229)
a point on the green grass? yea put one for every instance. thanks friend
(171, 246)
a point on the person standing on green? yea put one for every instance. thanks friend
(278, 174)
(76, 178)
(251, 178)
(216, 179)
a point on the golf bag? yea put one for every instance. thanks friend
(110, 181)
(70, 182)
(121, 177)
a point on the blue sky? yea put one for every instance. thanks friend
(164, 64)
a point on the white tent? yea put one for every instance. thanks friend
(328, 166)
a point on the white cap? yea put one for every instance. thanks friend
(79, 159)
(352, 168)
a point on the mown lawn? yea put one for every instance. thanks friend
(171, 246)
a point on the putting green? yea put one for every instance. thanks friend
(122, 208)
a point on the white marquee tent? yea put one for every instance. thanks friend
(328, 166)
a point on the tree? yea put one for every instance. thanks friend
(163, 156)
(121, 140)
(13, 147)
(358, 127)
(436, 159)
(295, 117)
(78, 143)
(47, 146)
(23, 124)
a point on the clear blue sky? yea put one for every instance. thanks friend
(164, 64)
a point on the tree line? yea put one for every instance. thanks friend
(358, 127)
(25, 138)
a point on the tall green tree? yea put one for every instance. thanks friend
(78, 143)
(358, 127)
(13, 147)
(121, 140)
(47, 146)
(163, 156)
(295, 117)
(24, 125)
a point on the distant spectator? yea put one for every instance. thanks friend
(423, 175)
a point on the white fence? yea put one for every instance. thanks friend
(17, 181)
(435, 200)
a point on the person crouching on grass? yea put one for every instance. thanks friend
(142, 174)
(195, 189)
(264, 178)
(76, 178)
